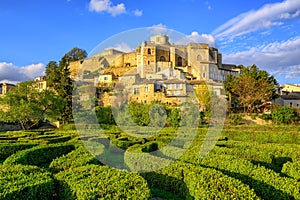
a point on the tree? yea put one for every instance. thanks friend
(58, 77)
(251, 88)
(28, 106)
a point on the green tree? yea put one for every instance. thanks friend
(28, 106)
(58, 77)
(251, 87)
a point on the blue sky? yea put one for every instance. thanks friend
(261, 32)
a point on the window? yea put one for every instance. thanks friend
(105, 78)
(162, 59)
(136, 91)
(204, 68)
(178, 86)
(158, 69)
(149, 51)
(179, 63)
(146, 89)
(203, 75)
(1, 90)
(199, 57)
(148, 62)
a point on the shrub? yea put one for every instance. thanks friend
(283, 114)
(101, 182)
(77, 158)
(292, 169)
(7, 150)
(195, 182)
(40, 155)
(25, 182)
(266, 183)
(235, 119)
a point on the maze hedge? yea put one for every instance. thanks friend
(25, 182)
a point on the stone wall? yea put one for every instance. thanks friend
(9, 127)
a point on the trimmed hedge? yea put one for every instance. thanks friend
(101, 182)
(39, 156)
(7, 150)
(292, 169)
(76, 158)
(195, 182)
(25, 182)
(265, 182)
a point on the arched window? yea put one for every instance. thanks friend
(162, 58)
(149, 51)
(148, 62)
(179, 61)
(199, 57)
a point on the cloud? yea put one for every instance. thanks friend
(195, 37)
(281, 58)
(100, 6)
(11, 73)
(267, 16)
(158, 29)
(122, 47)
(138, 13)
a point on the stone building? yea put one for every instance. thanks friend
(159, 70)
(5, 88)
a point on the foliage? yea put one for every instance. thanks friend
(77, 158)
(28, 106)
(105, 115)
(7, 150)
(58, 78)
(39, 156)
(195, 182)
(283, 114)
(30, 182)
(101, 182)
(235, 119)
(250, 88)
(292, 169)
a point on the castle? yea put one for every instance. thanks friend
(157, 70)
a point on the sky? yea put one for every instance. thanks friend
(261, 32)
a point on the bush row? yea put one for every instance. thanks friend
(101, 182)
(25, 182)
(292, 169)
(40, 155)
(266, 183)
(7, 150)
(77, 158)
(195, 182)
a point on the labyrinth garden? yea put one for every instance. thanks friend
(248, 162)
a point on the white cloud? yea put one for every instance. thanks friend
(122, 47)
(138, 13)
(158, 29)
(195, 37)
(11, 73)
(107, 6)
(267, 16)
(280, 58)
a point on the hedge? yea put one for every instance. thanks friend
(25, 182)
(39, 156)
(101, 182)
(195, 182)
(292, 169)
(7, 150)
(266, 183)
(77, 158)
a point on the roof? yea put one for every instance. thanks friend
(172, 81)
(290, 97)
(10, 84)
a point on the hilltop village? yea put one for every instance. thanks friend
(156, 71)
